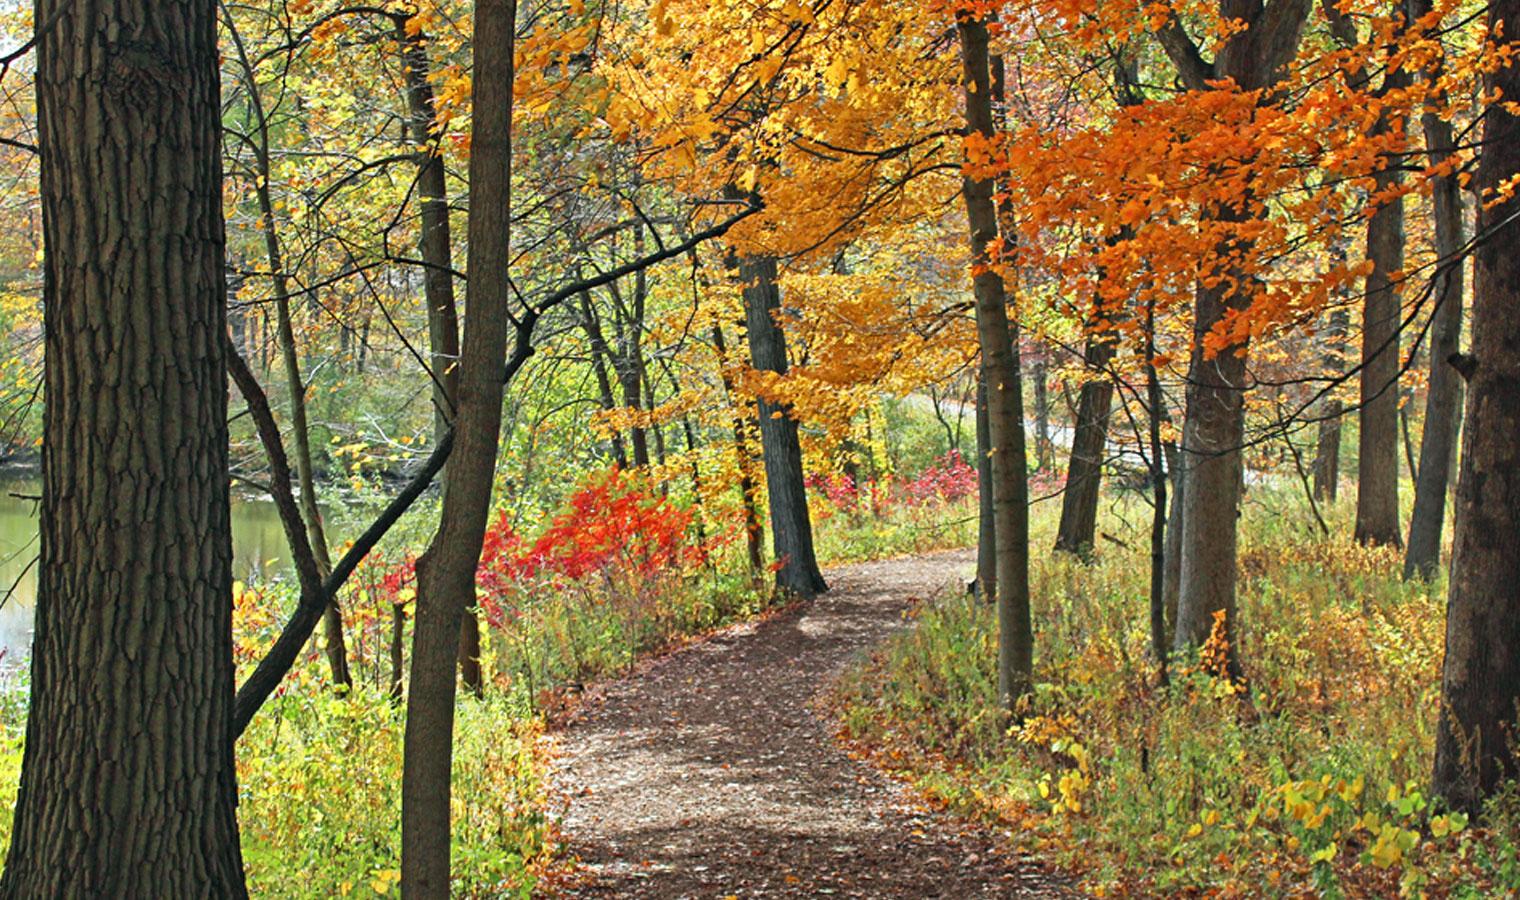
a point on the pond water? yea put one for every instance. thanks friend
(258, 548)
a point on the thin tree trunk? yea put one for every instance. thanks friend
(1160, 639)
(332, 618)
(436, 246)
(446, 571)
(744, 459)
(1327, 453)
(1171, 575)
(1443, 402)
(128, 787)
(601, 355)
(1004, 390)
(1480, 681)
(1042, 445)
(986, 533)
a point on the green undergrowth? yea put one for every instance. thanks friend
(319, 773)
(1309, 781)
(839, 537)
(320, 804)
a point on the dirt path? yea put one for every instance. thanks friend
(707, 776)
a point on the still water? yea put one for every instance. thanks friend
(258, 548)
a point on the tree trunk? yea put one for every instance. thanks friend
(1171, 575)
(1038, 372)
(446, 571)
(127, 785)
(745, 462)
(1327, 454)
(791, 528)
(1000, 367)
(436, 246)
(601, 356)
(986, 532)
(1214, 423)
(1377, 475)
(1160, 637)
(1443, 401)
(1480, 683)
(1084, 472)
(1213, 432)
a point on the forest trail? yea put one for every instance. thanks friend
(707, 775)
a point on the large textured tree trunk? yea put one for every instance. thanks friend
(1084, 473)
(791, 528)
(127, 784)
(1480, 683)
(1444, 399)
(1327, 452)
(1377, 468)
(446, 571)
(1005, 402)
(436, 245)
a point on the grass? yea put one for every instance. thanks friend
(1313, 784)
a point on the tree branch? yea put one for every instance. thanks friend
(644, 262)
(315, 592)
(1192, 68)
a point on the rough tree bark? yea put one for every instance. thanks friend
(127, 785)
(1377, 468)
(446, 571)
(1214, 422)
(791, 528)
(1084, 473)
(1443, 401)
(1480, 683)
(1000, 367)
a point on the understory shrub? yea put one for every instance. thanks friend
(1308, 780)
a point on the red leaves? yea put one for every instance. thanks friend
(948, 479)
(611, 521)
(613, 526)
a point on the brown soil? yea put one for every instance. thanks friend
(708, 775)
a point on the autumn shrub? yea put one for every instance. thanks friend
(1308, 779)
